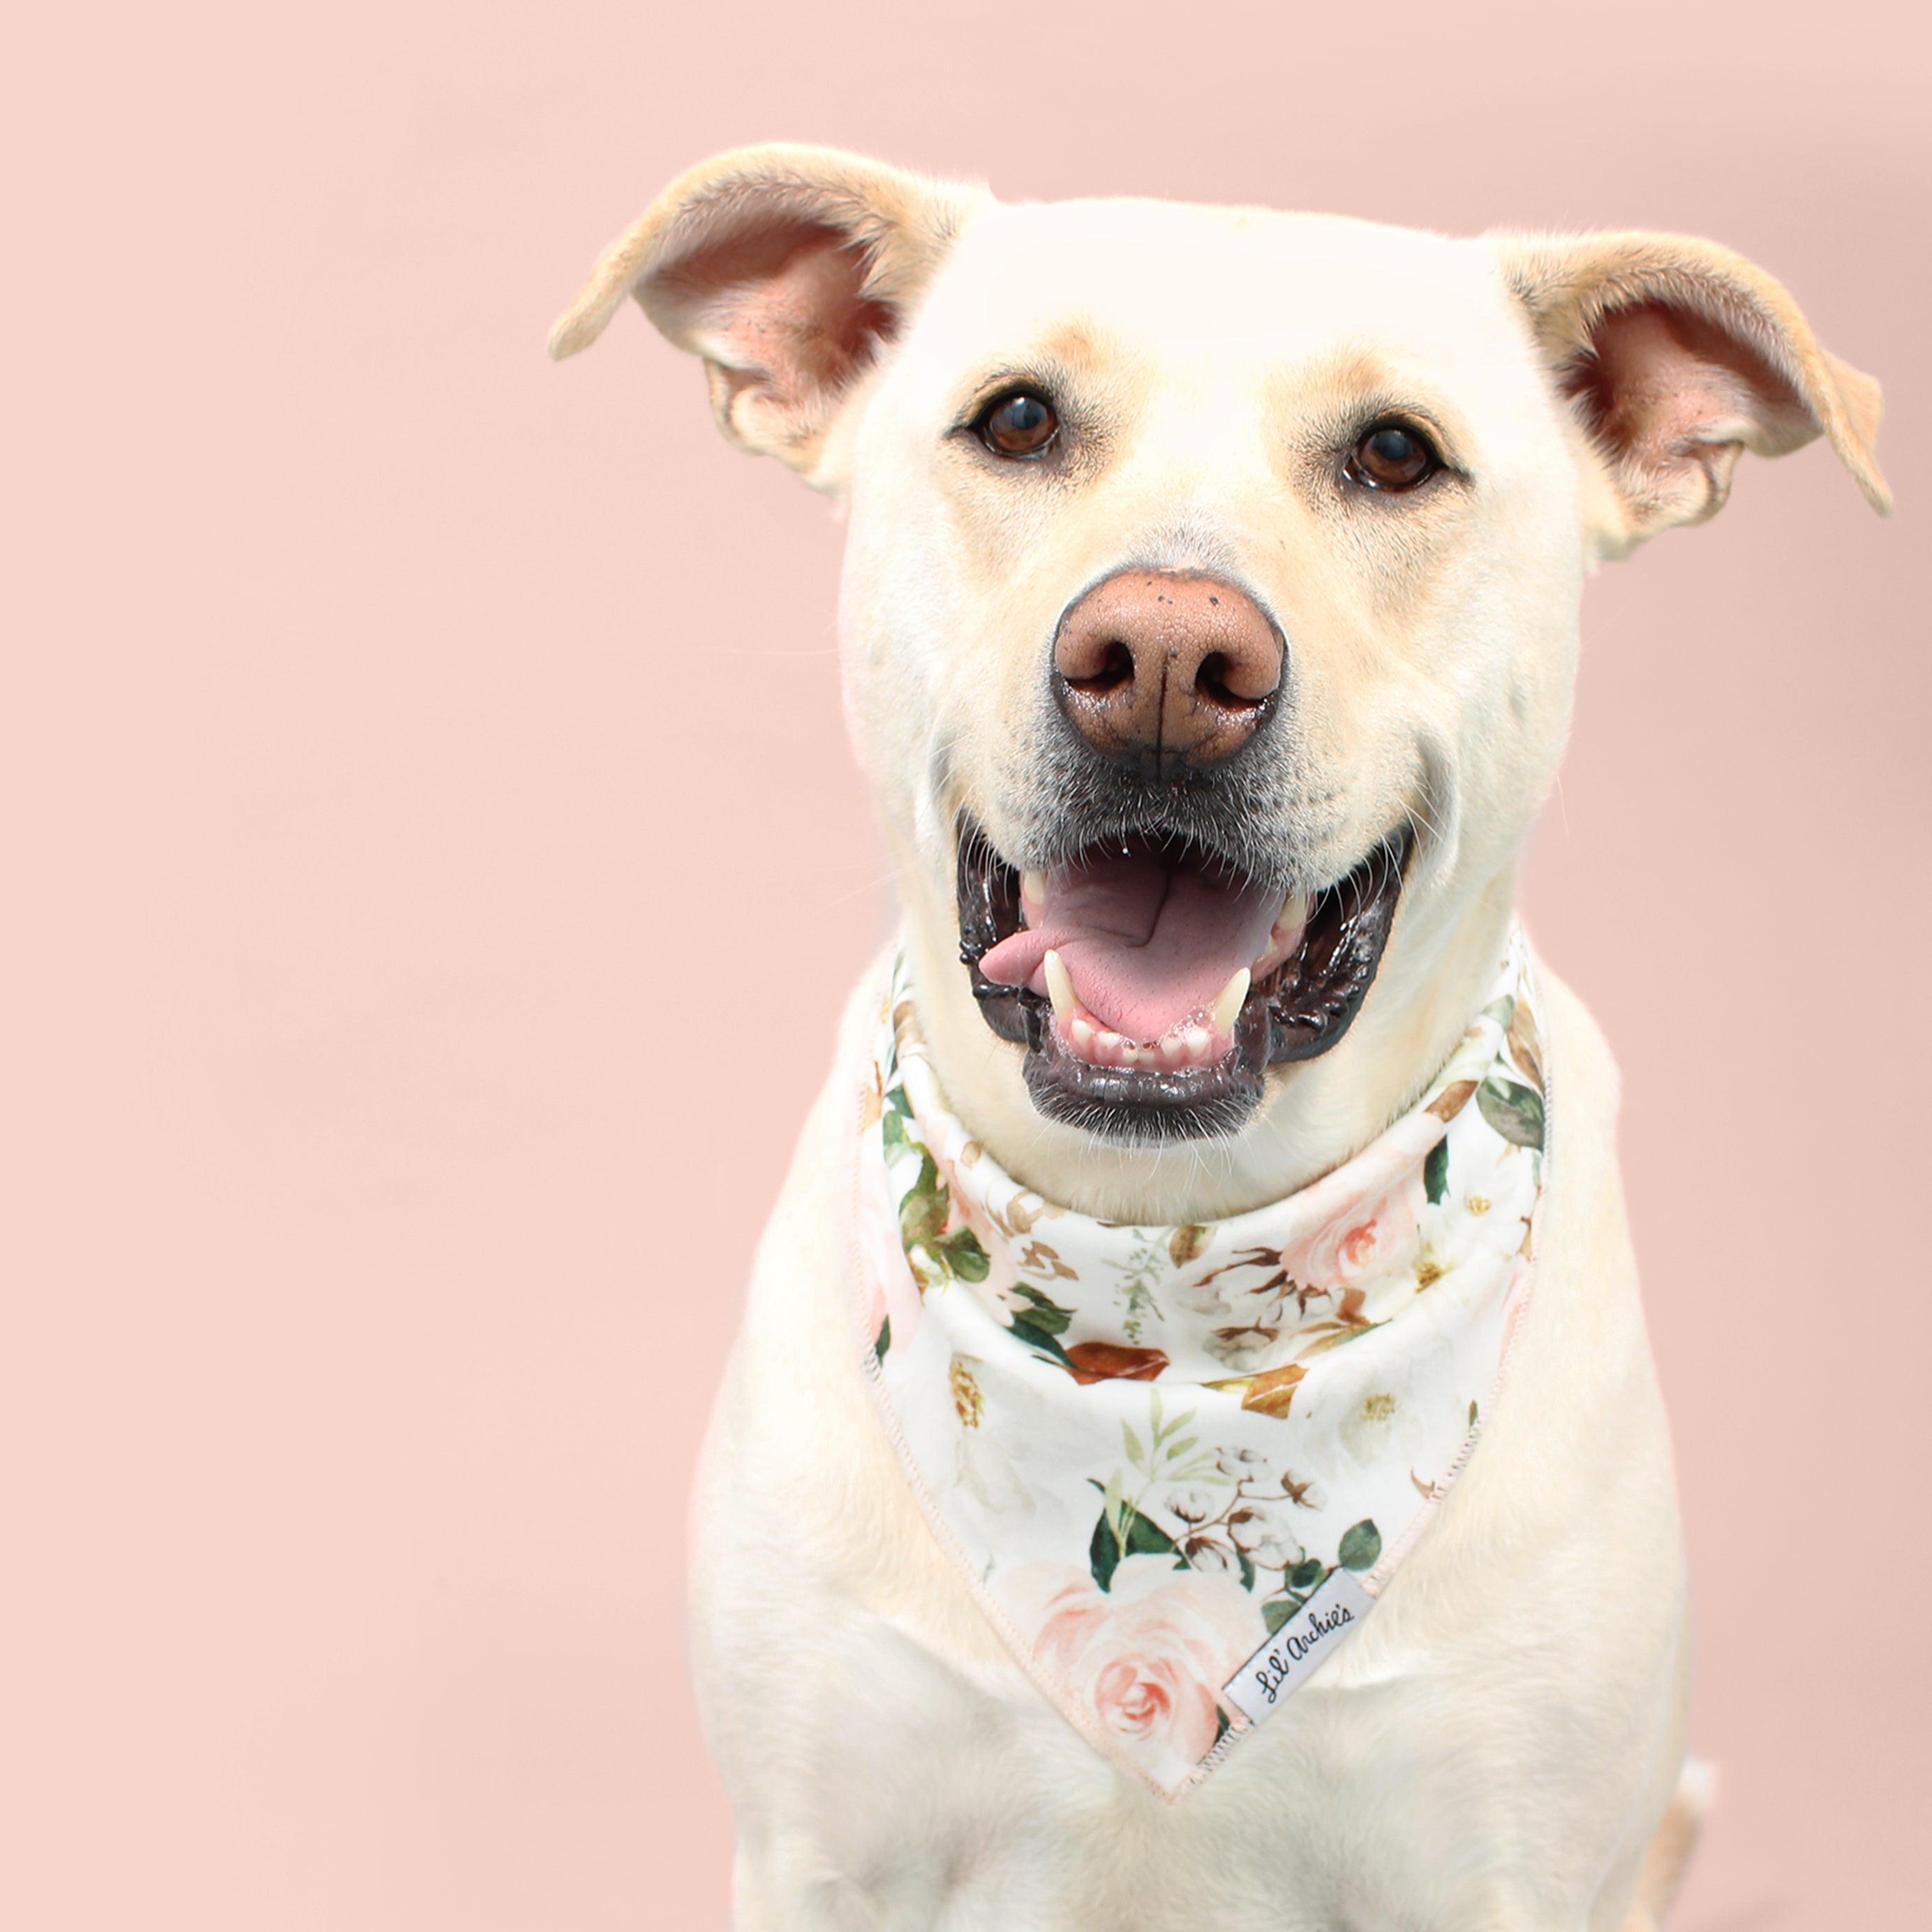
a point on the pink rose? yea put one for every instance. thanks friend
(1142, 1660)
(1363, 1220)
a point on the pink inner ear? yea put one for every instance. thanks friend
(1662, 379)
(780, 304)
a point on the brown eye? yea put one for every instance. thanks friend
(1019, 424)
(1394, 456)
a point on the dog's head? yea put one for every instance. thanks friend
(1210, 608)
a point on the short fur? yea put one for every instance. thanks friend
(1502, 1745)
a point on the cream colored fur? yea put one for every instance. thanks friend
(1502, 1745)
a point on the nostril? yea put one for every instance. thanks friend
(1211, 681)
(1116, 669)
(1239, 680)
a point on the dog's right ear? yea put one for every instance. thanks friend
(786, 268)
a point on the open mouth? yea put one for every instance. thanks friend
(1153, 983)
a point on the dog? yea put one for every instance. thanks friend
(1209, 628)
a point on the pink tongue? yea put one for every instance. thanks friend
(1147, 948)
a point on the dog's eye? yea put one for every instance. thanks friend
(1393, 456)
(1018, 425)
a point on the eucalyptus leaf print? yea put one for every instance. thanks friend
(1361, 1546)
(1148, 1449)
(1515, 1110)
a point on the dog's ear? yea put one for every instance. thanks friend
(786, 268)
(1676, 354)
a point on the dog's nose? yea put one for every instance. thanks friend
(1166, 669)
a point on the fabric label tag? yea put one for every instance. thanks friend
(1287, 1658)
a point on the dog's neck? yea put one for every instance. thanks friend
(1317, 1115)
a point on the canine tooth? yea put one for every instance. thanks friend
(1227, 1007)
(1059, 986)
(1293, 914)
(1032, 886)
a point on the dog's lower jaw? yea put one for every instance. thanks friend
(1313, 1114)
(1295, 1010)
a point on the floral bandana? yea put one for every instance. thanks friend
(1177, 1464)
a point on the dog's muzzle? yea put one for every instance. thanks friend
(1157, 968)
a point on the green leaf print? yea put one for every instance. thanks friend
(1277, 1610)
(922, 1213)
(1041, 1323)
(1137, 1537)
(1040, 1340)
(1436, 1172)
(925, 1210)
(1516, 1111)
(1360, 1546)
(885, 1340)
(1306, 1576)
(1046, 1313)
(965, 1256)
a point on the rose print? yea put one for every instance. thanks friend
(1142, 1661)
(1369, 1212)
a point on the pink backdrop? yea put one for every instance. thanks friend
(386, 972)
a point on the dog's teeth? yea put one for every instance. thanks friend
(1174, 1050)
(1111, 1047)
(1060, 987)
(1199, 1042)
(1227, 1007)
(1081, 1033)
(1294, 914)
(1032, 886)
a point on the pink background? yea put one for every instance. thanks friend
(427, 820)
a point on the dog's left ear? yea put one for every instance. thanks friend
(786, 268)
(1676, 356)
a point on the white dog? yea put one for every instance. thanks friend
(1116, 1515)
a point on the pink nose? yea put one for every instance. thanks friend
(1166, 669)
